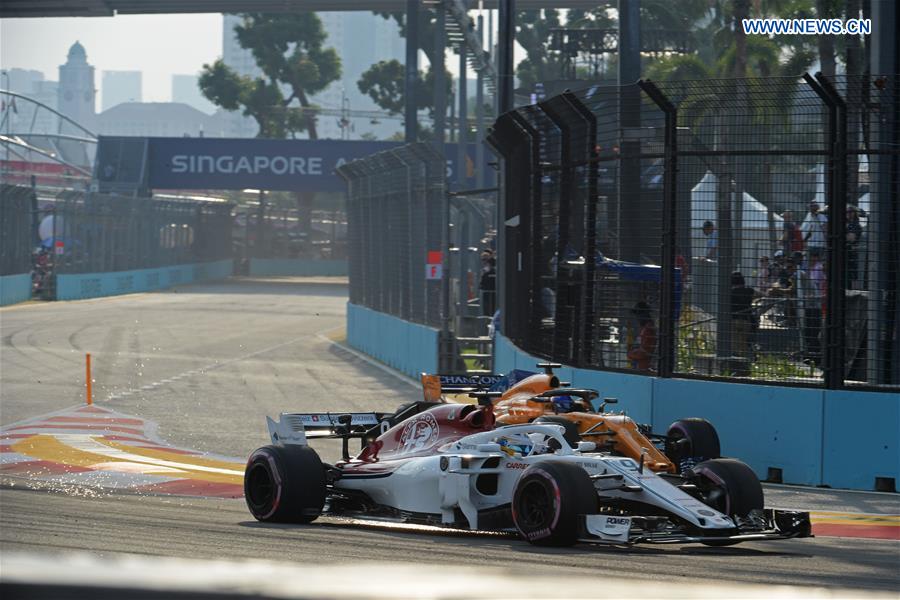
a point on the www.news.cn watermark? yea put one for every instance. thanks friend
(807, 26)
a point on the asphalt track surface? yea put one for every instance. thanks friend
(207, 363)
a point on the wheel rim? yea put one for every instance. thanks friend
(260, 487)
(535, 507)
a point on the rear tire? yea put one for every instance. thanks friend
(570, 434)
(702, 441)
(547, 502)
(284, 484)
(730, 487)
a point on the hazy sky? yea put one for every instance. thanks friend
(160, 46)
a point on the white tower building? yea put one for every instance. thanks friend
(77, 94)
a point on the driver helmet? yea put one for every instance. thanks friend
(563, 404)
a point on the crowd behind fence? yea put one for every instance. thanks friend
(397, 228)
(741, 228)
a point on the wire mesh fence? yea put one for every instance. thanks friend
(396, 217)
(722, 228)
(16, 229)
(289, 233)
(98, 233)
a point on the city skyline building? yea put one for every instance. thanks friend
(186, 89)
(120, 86)
(77, 93)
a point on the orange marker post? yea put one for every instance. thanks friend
(87, 368)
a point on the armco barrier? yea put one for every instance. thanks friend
(297, 266)
(95, 285)
(15, 288)
(407, 347)
(841, 439)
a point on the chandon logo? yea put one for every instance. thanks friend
(254, 165)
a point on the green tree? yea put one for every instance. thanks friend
(289, 49)
(385, 81)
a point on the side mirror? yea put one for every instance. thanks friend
(586, 446)
(605, 402)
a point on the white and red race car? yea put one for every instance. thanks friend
(447, 465)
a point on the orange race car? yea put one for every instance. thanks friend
(541, 397)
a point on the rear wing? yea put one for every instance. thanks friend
(435, 386)
(297, 428)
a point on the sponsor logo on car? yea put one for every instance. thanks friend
(419, 433)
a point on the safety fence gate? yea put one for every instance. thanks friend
(743, 229)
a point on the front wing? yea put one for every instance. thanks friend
(766, 524)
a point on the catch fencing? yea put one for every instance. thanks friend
(100, 233)
(397, 227)
(742, 229)
(81, 232)
(17, 233)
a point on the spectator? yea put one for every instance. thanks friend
(488, 284)
(854, 234)
(765, 275)
(791, 236)
(815, 230)
(644, 351)
(742, 317)
(712, 240)
(809, 302)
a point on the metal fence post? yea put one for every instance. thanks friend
(667, 316)
(836, 197)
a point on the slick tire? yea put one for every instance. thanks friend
(547, 502)
(571, 429)
(702, 441)
(730, 487)
(284, 484)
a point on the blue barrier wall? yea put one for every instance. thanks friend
(15, 288)
(841, 439)
(408, 347)
(95, 285)
(297, 266)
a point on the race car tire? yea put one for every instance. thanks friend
(571, 429)
(701, 436)
(548, 501)
(731, 487)
(284, 484)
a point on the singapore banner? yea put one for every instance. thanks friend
(265, 164)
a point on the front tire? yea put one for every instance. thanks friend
(692, 438)
(284, 484)
(547, 502)
(730, 487)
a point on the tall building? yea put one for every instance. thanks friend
(185, 89)
(360, 39)
(119, 87)
(20, 81)
(77, 94)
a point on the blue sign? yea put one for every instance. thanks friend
(263, 164)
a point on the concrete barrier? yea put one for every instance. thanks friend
(297, 266)
(15, 288)
(841, 439)
(407, 347)
(94, 285)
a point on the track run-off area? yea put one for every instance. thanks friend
(182, 382)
